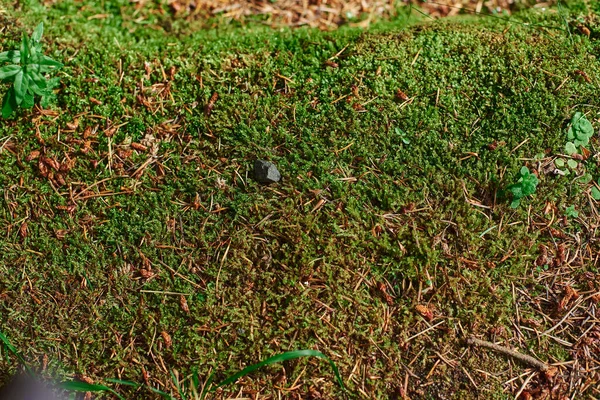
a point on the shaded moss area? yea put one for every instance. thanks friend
(395, 147)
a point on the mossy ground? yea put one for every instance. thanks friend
(389, 201)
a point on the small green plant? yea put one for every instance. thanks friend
(525, 186)
(402, 135)
(27, 71)
(571, 212)
(579, 133)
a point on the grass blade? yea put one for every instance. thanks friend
(75, 386)
(290, 355)
(122, 382)
(15, 352)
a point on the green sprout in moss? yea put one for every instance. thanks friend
(27, 71)
(525, 186)
(579, 133)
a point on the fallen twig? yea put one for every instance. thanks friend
(512, 353)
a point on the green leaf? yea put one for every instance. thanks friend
(14, 351)
(9, 103)
(27, 100)
(524, 171)
(20, 87)
(123, 382)
(570, 133)
(581, 142)
(290, 355)
(584, 128)
(36, 89)
(75, 386)
(45, 60)
(559, 162)
(572, 164)
(586, 178)
(571, 212)
(570, 148)
(576, 117)
(9, 346)
(38, 79)
(528, 188)
(516, 190)
(515, 203)
(595, 193)
(11, 56)
(9, 71)
(24, 49)
(37, 33)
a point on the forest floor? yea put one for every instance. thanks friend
(138, 246)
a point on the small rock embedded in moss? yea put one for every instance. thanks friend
(266, 172)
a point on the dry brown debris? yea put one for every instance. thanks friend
(326, 14)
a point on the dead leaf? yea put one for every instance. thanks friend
(86, 379)
(73, 125)
(146, 273)
(67, 165)
(60, 180)
(43, 169)
(23, 230)
(33, 155)
(61, 233)
(138, 146)
(382, 287)
(401, 95)
(425, 312)
(184, 305)
(584, 30)
(167, 338)
(52, 163)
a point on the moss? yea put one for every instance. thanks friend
(297, 265)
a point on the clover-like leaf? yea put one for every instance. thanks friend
(570, 148)
(572, 164)
(571, 212)
(525, 186)
(584, 128)
(581, 142)
(517, 191)
(595, 193)
(586, 178)
(524, 171)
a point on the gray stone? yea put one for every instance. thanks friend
(25, 387)
(266, 172)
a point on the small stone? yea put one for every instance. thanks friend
(266, 172)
